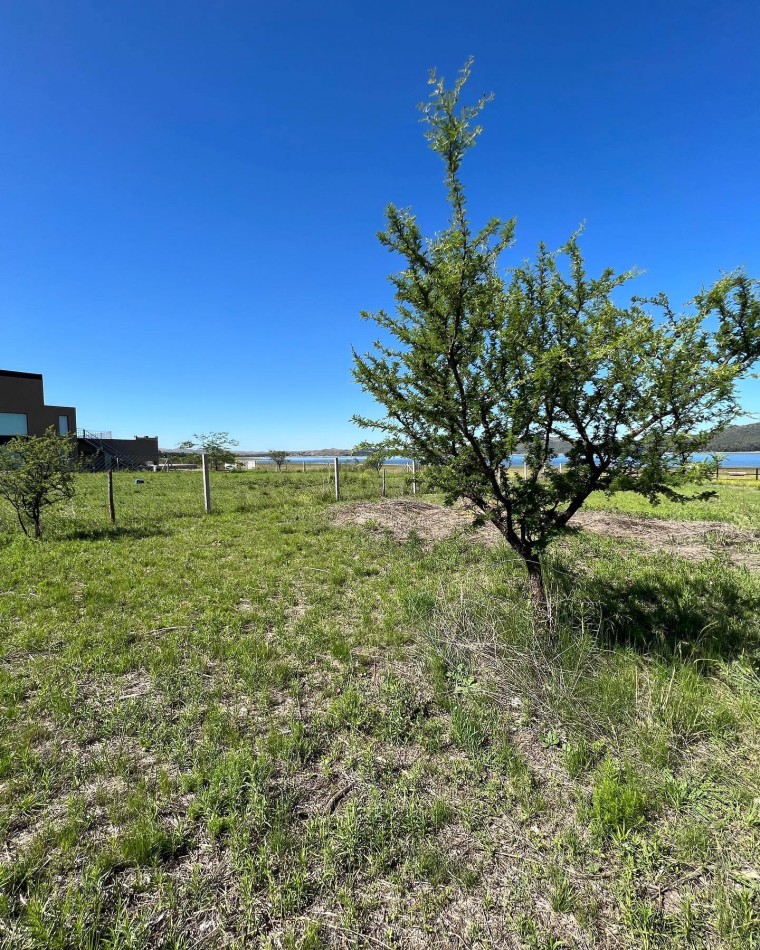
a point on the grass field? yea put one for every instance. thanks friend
(259, 729)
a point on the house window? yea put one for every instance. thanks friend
(63, 425)
(13, 423)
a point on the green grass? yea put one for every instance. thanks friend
(735, 504)
(252, 729)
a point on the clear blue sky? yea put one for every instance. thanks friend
(191, 190)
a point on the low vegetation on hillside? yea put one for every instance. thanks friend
(737, 439)
(274, 727)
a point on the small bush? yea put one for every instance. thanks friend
(35, 473)
(619, 801)
(147, 842)
(491, 646)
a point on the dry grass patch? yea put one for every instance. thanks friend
(402, 519)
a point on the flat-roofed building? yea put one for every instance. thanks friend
(23, 410)
(100, 450)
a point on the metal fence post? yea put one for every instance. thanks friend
(414, 476)
(336, 466)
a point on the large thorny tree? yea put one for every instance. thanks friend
(485, 363)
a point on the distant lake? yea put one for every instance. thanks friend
(730, 460)
(735, 459)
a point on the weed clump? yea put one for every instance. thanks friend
(619, 802)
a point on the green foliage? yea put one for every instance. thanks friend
(233, 791)
(35, 473)
(217, 445)
(378, 830)
(737, 439)
(375, 454)
(181, 458)
(480, 364)
(471, 727)
(279, 457)
(147, 842)
(619, 800)
(581, 754)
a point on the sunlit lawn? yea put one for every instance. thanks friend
(247, 729)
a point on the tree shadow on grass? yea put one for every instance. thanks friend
(115, 532)
(669, 606)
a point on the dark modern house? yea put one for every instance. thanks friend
(23, 412)
(99, 450)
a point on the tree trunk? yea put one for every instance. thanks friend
(538, 597)
(539, 600)
(21, 522)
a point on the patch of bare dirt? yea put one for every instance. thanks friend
(695, 540)
(404, 518)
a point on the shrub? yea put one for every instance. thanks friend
(36, 473)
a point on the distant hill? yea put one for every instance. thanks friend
(738, 439)
(557, 445)
(734, 439)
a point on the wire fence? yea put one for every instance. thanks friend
(145, 502)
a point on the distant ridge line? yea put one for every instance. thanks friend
(741, 438)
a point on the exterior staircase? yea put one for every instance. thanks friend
(97, 454)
